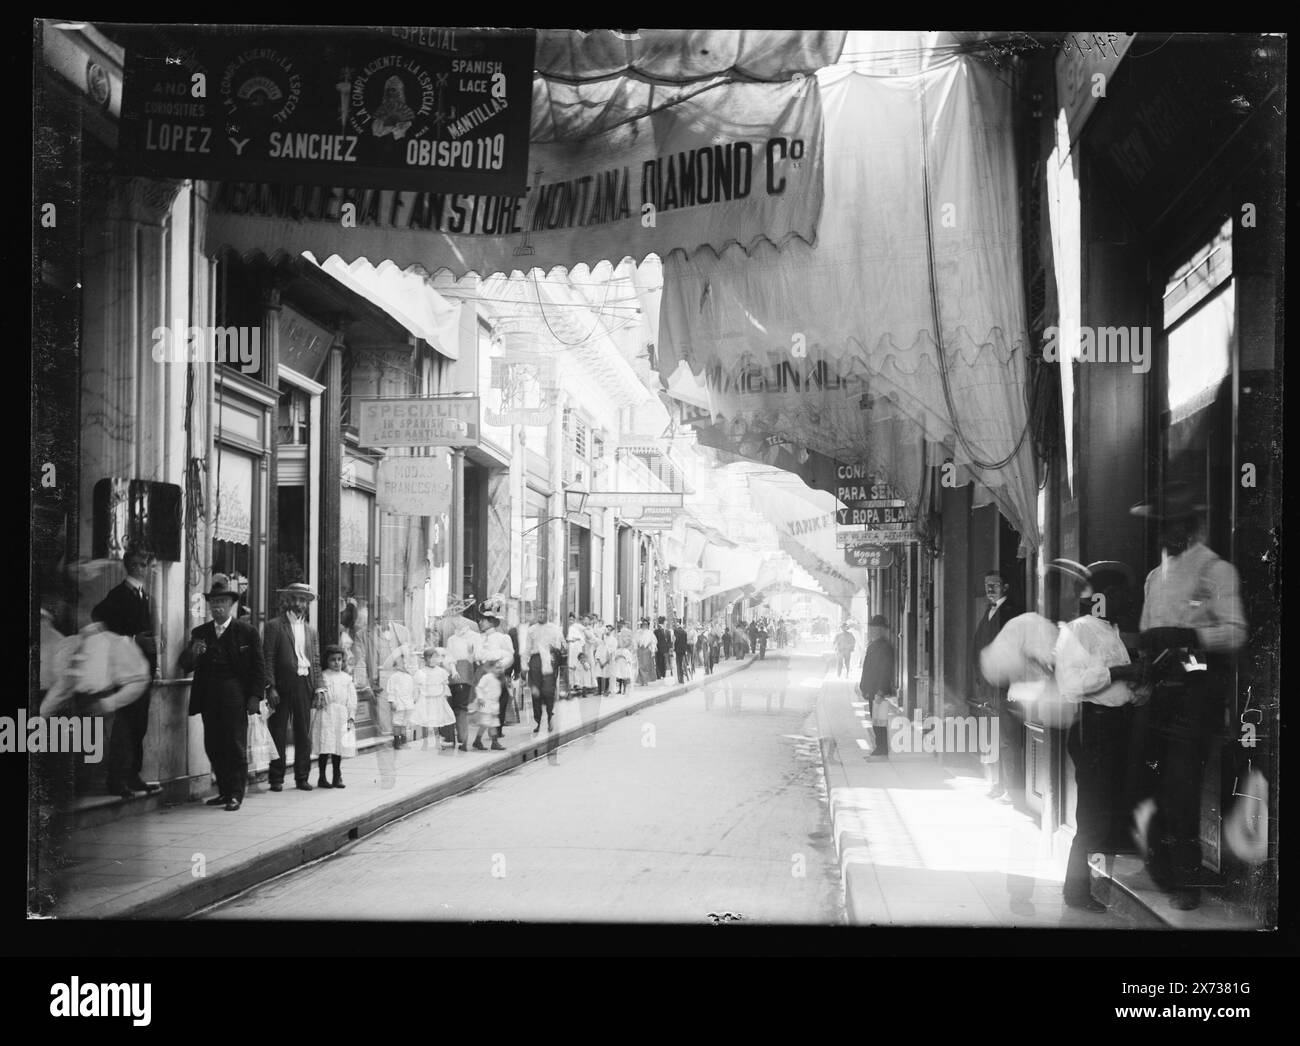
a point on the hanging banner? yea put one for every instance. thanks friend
(429, 421)
(739, 164)
(433, 110)
(805, 522)
(414, 486)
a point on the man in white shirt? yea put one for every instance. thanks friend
(1093, 668)
(292, 653)
(543, 646)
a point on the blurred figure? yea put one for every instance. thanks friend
(1008, 771)
(663, 644)
(647, 643)
(544, 647)
(681, 648)
(624, 657)
(845, 641)
(1093, 667)
(128, 611)
(1192, 622)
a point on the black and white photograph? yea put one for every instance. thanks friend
(772, 479)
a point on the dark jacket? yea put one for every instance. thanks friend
(124, 612)
(244, 646)
(986, 630)
(878, 668)
(281, 659)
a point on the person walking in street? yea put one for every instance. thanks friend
(663, 645)
(128, 611)
(625, 657)
(680, 650)
(646, 645)
(760, 637)
(496, 654)
(726, 642)
(845, 641)
(293, 677)
(336, 712)
(1008, 769)
(877, 681)
(1093, 668)
(225, 656)
(1192, 623)
(462, 654)
(544, 648)
(606, 648)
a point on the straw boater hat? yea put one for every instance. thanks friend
(298, 588)
(1095, 574)
(221, 586)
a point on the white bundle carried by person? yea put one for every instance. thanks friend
(100, 670)
(1023, 658)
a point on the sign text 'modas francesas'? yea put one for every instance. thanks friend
(433, 421)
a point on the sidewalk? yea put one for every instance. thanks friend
(921, 844)
(173, 862)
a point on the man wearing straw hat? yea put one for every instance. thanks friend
(225, 655)
(1192, 621)
(293, 676)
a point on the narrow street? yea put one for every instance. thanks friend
(707, 805)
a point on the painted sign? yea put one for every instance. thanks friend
(633, 499)
(430, 421)
(432, 110)
(871, 557)
(874, 514)
(846, 537)
(414, 486)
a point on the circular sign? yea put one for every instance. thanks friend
(872, 557)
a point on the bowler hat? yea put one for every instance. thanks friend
(298, 588)
(1176, 500)
(221, 586)
(878, 621)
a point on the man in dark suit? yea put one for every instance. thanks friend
(681, 649)
(663, 644)
(225, 655)
(127, 610)
(1008, 771)
(293, 676)
(878, 676)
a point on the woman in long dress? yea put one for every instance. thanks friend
(624, 657)
(646, 644)
(606, 648)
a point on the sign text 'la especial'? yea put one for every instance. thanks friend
(445, 110)
(431, 421)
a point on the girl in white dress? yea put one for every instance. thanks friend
(432, 709)
(336, 710)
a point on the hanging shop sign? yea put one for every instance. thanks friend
(430, 421)
(414, 486)
(653, 517)
(874, 514)
(859, 487)
(869, 557)
(848, 536)
(444, 110)
(633, 499)
(303, 343)
(739, 164)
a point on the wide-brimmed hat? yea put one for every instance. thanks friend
(221, 586)
(298, 588)
(1098, 574)
(1176, 500)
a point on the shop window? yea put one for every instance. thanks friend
(294, 416)
(232, 518)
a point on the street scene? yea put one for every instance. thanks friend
(784, 478)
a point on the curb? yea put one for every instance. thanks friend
(198, 894)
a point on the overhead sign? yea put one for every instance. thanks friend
(431, 421)
(414, 486)
(741, 163)
(654, 517)
(874, 514)
(1084, 67)
(633, 499)
(432, 110)
(871, 557)
(859, 486)
(871, 536)
(303, 343)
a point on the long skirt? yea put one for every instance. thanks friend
(645, 665)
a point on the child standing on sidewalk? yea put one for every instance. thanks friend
(487, 694)
(432, 710)
(335, 713)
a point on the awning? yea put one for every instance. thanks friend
(836, 347)
(404, 296)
